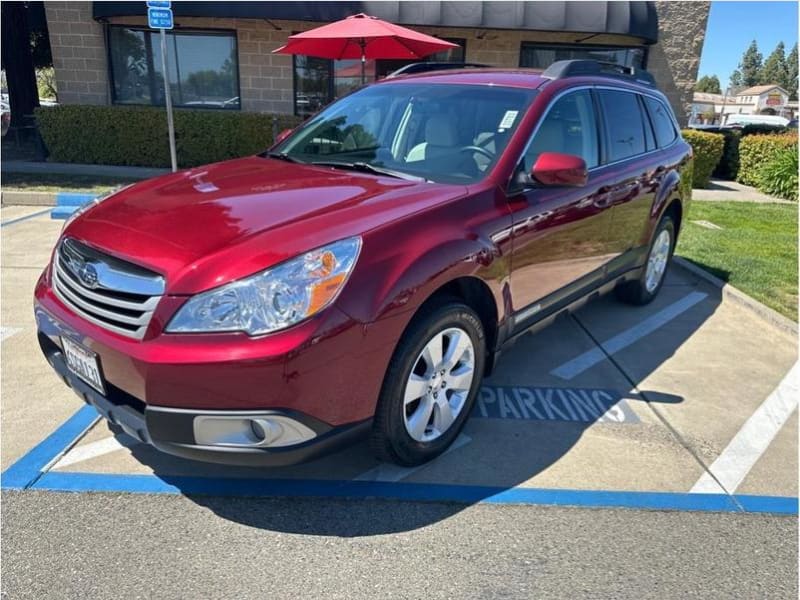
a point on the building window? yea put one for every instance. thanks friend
(318, 81)
(541, 56)
(202, 67)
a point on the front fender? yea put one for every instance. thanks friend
(399, 281)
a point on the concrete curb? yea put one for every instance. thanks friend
(49, 168)
(20, 198)
(765, 312)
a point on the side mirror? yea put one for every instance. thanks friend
(556, 169)
(282, 136)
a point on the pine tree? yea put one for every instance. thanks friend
(709, 84)
(750, 66)
(790, 83)
(736, 81)
(774, 69)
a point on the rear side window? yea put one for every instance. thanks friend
(570, 128)
(662, 122)
(624, 124)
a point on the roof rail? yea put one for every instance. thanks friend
(574, 68)
(425, 67)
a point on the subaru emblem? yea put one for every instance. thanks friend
(88, 275)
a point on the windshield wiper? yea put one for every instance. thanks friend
(283, 156)
(368, 168)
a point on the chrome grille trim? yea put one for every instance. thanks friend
(120, 297)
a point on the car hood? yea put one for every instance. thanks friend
(206, 226)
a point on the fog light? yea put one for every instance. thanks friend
(249, 431)
(265, 430)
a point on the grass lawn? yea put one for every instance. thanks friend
(756, 250)
(61, 183)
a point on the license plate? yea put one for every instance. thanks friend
(83, 362)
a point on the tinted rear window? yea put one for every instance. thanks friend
(623, 123)
(662, 122)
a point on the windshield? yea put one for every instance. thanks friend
(439, 132)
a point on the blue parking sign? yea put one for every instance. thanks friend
(159, 18)
(158, 4)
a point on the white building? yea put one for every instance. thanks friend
(715, 109)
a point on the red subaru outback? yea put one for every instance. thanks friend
(363, 275)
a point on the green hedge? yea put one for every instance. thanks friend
(137, 136)
(778, 177)
(755, 151)
(728, 165)
(707, 149)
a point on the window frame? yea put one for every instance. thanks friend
(561, 45)
(529, 184)
(675, 129)
(217, 32)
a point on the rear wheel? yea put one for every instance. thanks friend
(430, 385)
(647, 286)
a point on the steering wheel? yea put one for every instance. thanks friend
(479, 150)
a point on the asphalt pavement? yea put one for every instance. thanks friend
(58, 545)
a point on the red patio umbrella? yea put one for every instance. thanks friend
(362, 36)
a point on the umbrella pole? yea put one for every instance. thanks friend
(363, 45)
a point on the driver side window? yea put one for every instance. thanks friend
(570, 127)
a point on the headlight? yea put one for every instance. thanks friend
(91, 204)
(273, 299)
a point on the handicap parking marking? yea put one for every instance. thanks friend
(387, 472)
(7, 332)
(588, 359)
(752, 440)
(31, 472)
(88, 451)
(582, 405)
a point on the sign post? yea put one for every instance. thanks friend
(159, 16)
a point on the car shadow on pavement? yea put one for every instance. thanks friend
(502, 453)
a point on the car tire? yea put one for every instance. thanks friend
(405, 429)
(644, 289)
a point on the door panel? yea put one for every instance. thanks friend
(630, 144)
(560, 234)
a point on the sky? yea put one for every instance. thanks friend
(733, 25)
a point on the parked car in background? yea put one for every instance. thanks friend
(363, 275)
(744, 120)
(5, 118)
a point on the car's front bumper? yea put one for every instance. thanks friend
(172, 431)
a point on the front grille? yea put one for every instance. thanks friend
(104, 290)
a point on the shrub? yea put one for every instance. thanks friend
(755, 151)
(137, 136)
(707, 149)
(778, 177)
(728, 165)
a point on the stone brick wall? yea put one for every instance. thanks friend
(265, 79)
(79, 53)
(674, 60)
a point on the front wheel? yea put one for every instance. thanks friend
(647, 286)
(430, 385)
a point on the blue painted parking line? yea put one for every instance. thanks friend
(29, 472)
(68, 202)
(29, 468)
(25, 218)
(73, 198)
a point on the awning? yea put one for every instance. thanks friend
(634, 19)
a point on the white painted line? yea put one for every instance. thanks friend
(588, 359)
(7, 332)
(388, 472)
(755, 436)
(87, 451)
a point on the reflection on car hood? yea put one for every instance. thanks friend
(208, 225)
